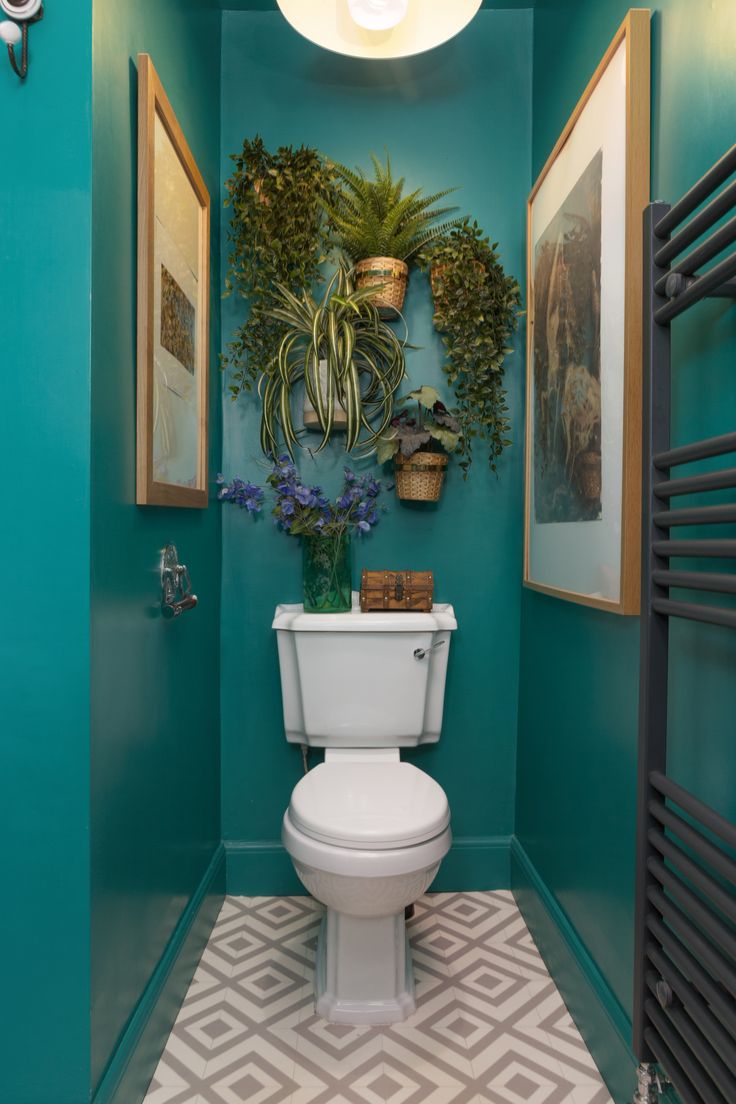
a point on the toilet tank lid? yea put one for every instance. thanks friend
(294, 619)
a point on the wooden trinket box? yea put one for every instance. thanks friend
(396, 590)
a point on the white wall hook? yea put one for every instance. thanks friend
(23, 12)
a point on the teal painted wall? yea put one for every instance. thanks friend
(155, 684)
(45, 231)
(459, 115)
(579, 667)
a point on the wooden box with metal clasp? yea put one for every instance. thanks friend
(396, 590)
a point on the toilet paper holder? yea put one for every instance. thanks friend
(176, 586)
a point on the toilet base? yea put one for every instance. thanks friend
(363, 973)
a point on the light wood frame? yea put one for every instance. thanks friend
(153, 102)
(635, 31)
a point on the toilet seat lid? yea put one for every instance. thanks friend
(373, 806)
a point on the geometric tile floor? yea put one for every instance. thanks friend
(490, 1026)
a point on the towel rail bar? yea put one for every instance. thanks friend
(716, 964)
(697, 450)
(691, 611)
(703, 882)
(701, 1048)
(664, 1055)
(710, 854)
(707, 549)
(694, 807)
(720, 1003)
(712, 282)
(693, 197)
(696, 484)
(692, 1000)
(691, 904)
(691, 1064)
(710, 248)
(695, 909)
(698, 225)
(694, 515)
(696, 580)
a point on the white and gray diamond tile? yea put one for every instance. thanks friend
(490, 1026)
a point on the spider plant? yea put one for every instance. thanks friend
(363, 359)
(373, 218)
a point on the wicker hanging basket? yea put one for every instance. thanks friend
(420, 478)
(389, 272)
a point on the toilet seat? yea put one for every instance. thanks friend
(369, 806)
(354, 862)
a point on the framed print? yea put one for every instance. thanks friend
(584, 273)
(173, 306)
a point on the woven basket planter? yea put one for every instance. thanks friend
(420, 478)
(386, 271)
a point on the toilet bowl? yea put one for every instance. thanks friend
(366, 832)
(366, 838)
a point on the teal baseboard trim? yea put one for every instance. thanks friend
(136, 1056)
(262, 868)
(590, 1000)
(475, 863)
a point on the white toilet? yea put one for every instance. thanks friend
(366, 832)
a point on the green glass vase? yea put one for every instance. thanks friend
(327, 575)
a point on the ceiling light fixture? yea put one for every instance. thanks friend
(379, 28)
(378, 15)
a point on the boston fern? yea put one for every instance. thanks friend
(277, 235)
(373, 218)
(476, 311)
(363, 365)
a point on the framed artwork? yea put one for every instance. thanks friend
(584, 339)
(173, 306)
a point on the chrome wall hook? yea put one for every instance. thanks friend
(176, 586)
(15, 30)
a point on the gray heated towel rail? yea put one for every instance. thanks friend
(685, 956)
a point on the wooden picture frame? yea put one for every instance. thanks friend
(572, 483)
(173, 307)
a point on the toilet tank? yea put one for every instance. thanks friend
(363, 679)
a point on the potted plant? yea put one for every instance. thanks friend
(347, 358)
(420, 444)
(476, 309)
(325, 527)
(277, 235)
(381, 230)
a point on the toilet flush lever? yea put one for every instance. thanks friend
(420, 653)
(176, 586)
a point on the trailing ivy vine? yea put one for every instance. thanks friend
(277, 235)
(476, 311)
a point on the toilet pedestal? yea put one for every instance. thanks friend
(363, 972)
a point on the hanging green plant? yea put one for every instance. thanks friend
(350, 362)
(381, 230)
(476, 311)
(277, 235)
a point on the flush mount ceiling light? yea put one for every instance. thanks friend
(377, 15)
(379, 28)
